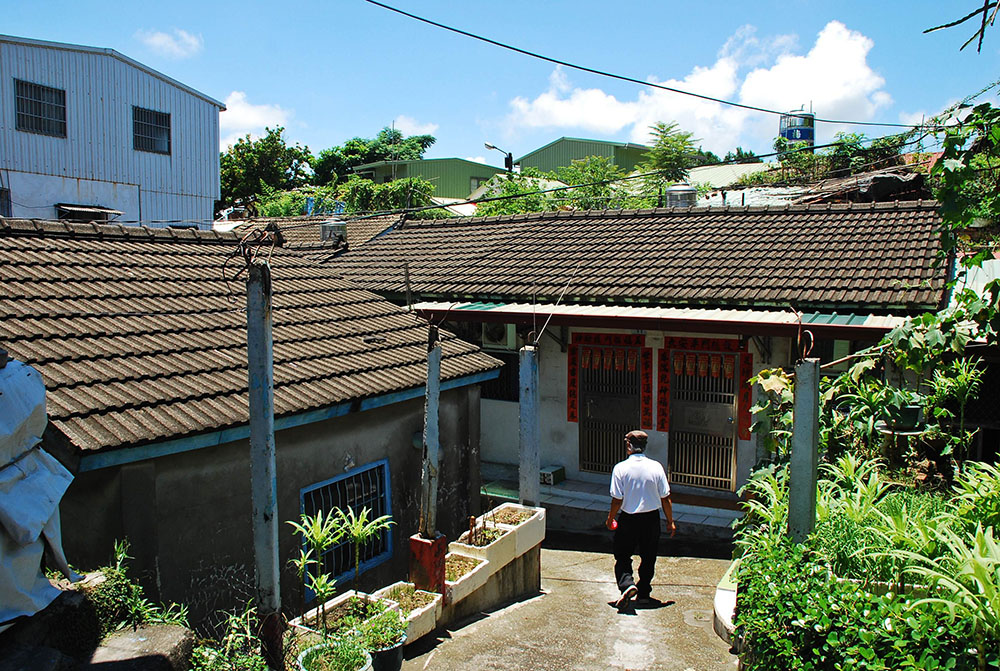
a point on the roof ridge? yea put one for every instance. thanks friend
(697, 210)
(54, 228)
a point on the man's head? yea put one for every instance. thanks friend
(636, 441)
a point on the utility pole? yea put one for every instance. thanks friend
(263, 477)
(432, 442)
(529, 466)
(427, 546)
(805, 452)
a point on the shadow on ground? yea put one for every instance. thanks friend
(679, 546)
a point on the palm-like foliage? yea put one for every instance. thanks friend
(359, 530)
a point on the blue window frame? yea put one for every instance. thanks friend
(363, 487)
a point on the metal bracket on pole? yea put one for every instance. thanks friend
(432, 442)
(529, 465)
(263, 477)
(805, 452)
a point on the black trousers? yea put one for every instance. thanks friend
(641, 531)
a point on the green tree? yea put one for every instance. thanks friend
(702, 157)
(742, 156)
(249, 166)
(334, 164)
(362, 196)
(602, 190)
(525, 184)
(672, 152)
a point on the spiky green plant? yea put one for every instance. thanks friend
(359, 530)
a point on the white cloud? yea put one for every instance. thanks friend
(562, 106)
(180, 44)
(476, 159)
(410, 126)
(770, 72)
(242, 117)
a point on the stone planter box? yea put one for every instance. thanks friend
(468, 583)
(420, 621)
(498, 554)
(528, 533)
(312, 618)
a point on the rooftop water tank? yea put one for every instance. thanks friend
(681, 195)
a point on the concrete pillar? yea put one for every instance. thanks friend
(528, 487)
(263, 474)
(432, 438)
(805, 452)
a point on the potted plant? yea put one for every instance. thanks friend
(319, 532)
(344, 653)
(487, 540)
(902, 409)
(359, 530)
(463, 575)
(383, 637)
(526, 523)
(421, 609)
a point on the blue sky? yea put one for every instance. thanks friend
(335, 70)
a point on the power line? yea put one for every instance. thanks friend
(624, 78)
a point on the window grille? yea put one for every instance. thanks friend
(364, 487)
(5, 203)
(40, 109)
(151, 131)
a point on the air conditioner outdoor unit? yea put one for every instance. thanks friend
(499, 336)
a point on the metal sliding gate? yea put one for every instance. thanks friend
(702, 419)
(609, 404)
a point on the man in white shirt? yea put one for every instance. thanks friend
(639, 489)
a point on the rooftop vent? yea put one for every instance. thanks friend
(332, 230)
(681, 195)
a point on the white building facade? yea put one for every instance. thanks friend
(90, 134)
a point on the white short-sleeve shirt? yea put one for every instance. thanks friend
(640, 482)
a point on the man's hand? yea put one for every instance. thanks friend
(611, 524)
(671, 527)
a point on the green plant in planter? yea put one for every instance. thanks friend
(320, 532)
(902, 408)
(344, 653)
(359, 530)
(385, 630)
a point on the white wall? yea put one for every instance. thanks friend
(560, 437)
(101, 90)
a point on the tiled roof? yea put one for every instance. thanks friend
(138, 340)
(872, 257)
(303, 233)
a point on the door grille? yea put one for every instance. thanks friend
(702, 418)
(610, 380)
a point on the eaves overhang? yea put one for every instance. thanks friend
(839, 325)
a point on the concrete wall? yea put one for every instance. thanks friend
(188, 515)
(560, 437)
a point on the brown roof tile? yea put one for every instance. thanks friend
(831, 256)
(138, 338)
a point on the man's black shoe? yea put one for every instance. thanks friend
(626, 597)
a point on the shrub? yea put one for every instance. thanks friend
(793, 613)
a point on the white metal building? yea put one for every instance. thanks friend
(88, 134)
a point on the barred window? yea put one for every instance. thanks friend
(364, 487)
(150, 131)
(40, 109)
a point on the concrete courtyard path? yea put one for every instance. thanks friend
(570, 624)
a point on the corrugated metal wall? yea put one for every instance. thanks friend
(564, 152)
(100, 93)
(452, 178)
